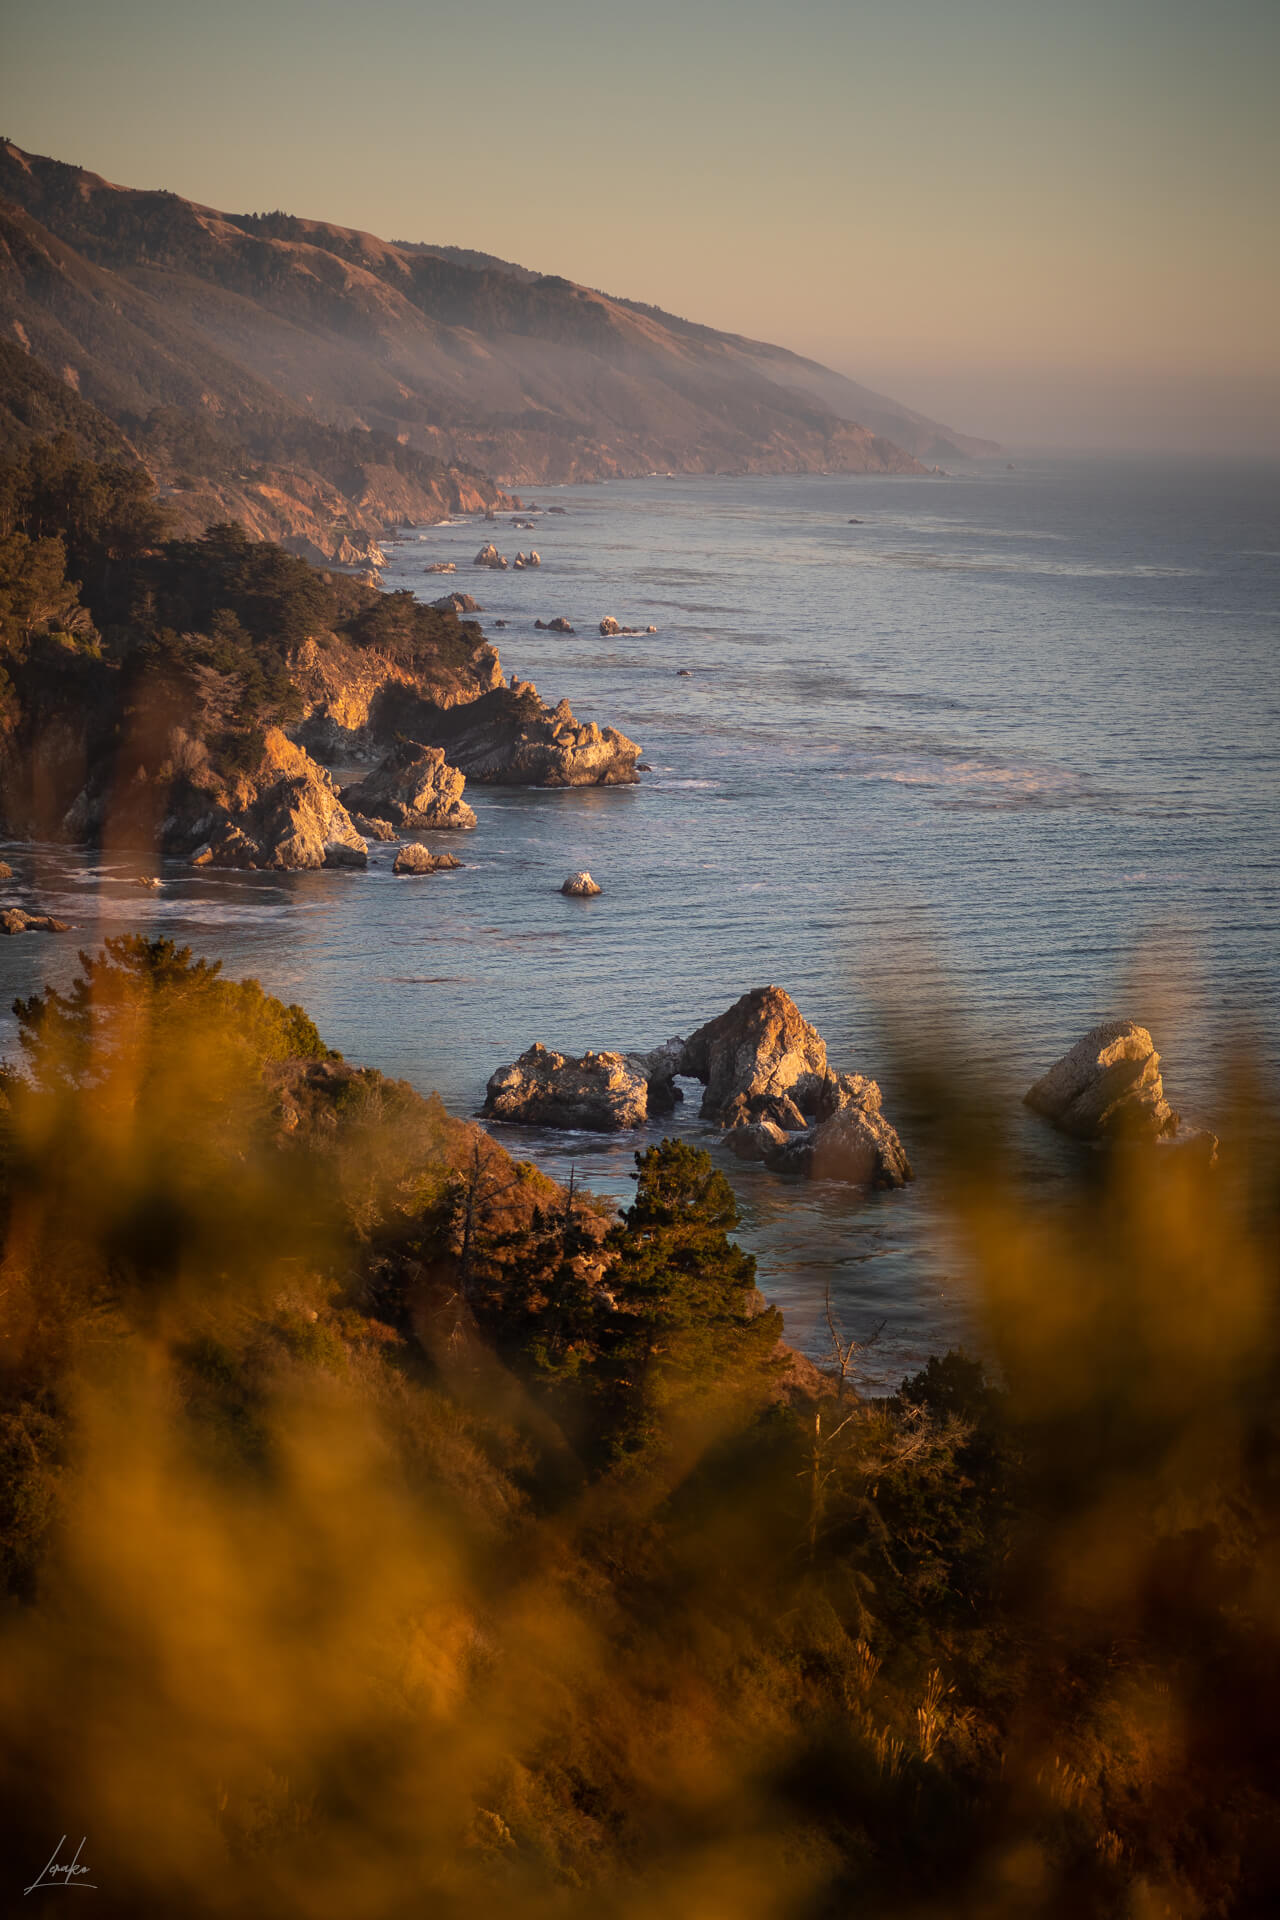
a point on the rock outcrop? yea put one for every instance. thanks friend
(1107, 1087)
(457, 603)
(489, 556)
(580, 886)
(609, 627)
(359, 703)
(287, 815)
(414, 788)
(600, 1092)
(441, 566)
(510, 738)
(558, 625)
(856, 1145)
(768, 1082)
(531, 559)
(355, 698)
(372, 829)
(415, 858)
(758, 1060)
(15, 920)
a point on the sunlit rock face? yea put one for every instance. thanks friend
(1108, 1086)
(285, 815)
(600, 1092)
(769, 1083)
(414, 788)
(510, 737)
(416, 858)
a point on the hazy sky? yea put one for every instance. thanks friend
(1054, 221)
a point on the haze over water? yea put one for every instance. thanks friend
(995, 763)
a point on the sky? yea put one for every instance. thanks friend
(1057, 224)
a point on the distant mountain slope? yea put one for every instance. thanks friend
(926, 439)
(36, 404)
(271, 334)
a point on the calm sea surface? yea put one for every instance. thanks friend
(996, 762)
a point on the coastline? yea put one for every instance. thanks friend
(850, 755)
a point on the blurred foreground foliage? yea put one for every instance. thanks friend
(386, 1531)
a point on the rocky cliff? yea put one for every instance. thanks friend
(187, 698)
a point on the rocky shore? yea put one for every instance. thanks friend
(209, 738)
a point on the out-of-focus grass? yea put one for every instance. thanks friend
(309, 1616)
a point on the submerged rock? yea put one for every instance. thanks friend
(414, 787)
(442, 566)
(600, 1092)
(415, 858)
(580, 886)
(1108, 1086)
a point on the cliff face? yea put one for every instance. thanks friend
(305, 372)
(179, 756)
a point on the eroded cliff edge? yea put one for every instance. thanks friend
(194, 695)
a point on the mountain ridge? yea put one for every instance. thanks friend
(319, 382)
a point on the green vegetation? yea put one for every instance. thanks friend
(36, 405)
(166, 653)
(386, 1530)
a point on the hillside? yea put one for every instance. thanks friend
(318, 377)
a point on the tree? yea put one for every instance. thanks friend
(106, 513)
(35, 594)
(688, 1329)
(549, 1310)
(140, 1000)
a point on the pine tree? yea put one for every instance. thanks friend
(688, 1327)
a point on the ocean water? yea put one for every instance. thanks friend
(995, 762)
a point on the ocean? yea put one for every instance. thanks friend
(964, 764)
